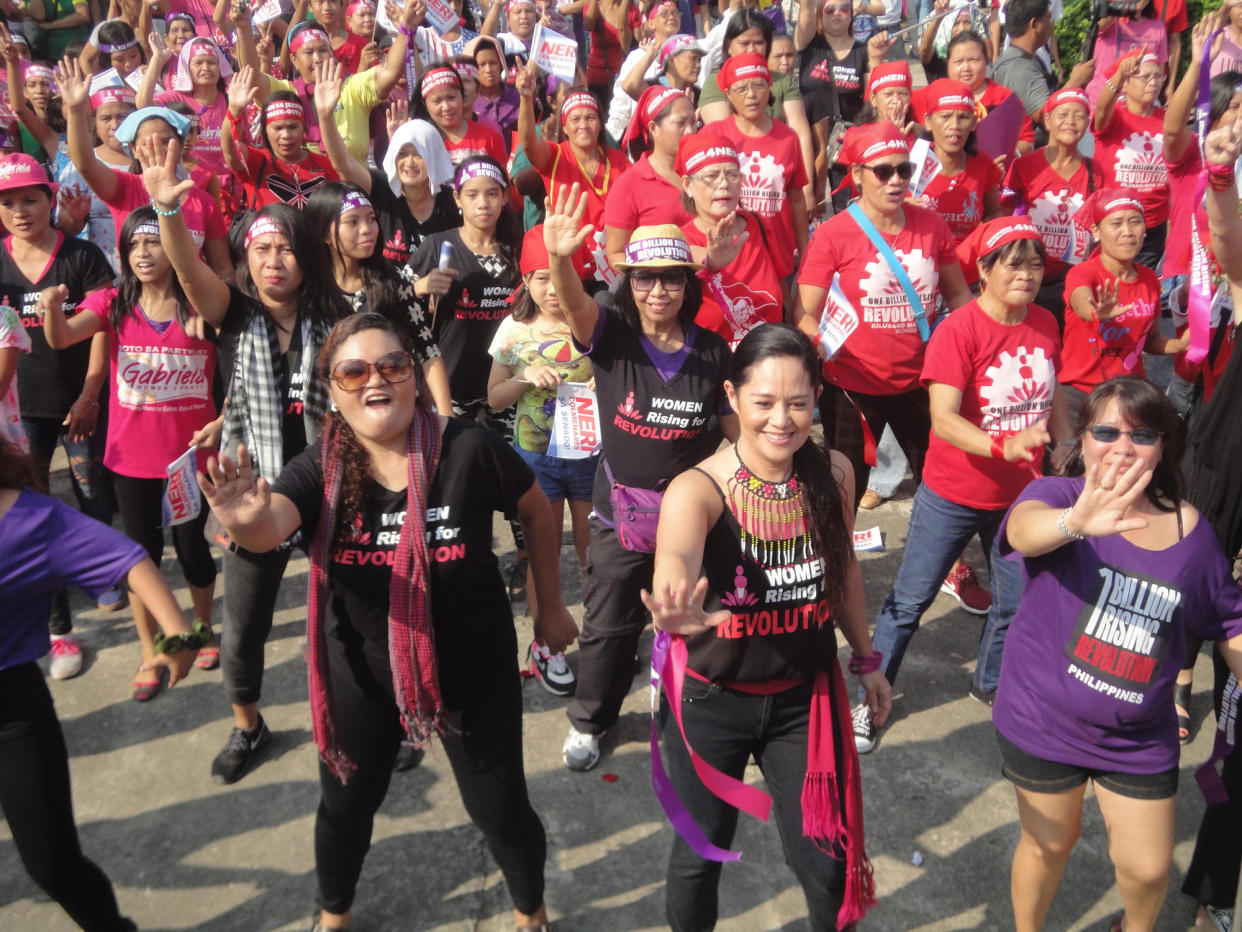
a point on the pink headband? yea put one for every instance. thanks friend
(285, 110)
(577, 100)
(208, 48)
(514, 4)
(467, 69)
(310, 33)
(112, 95)
(437, 77)
(354, 200)
(263, 226)
(479, 169)
(39, 71)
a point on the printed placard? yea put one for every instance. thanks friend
(270, 10)
(926, 167)
(182, 501)
(575, 425)
(554, 53)
(1079, 245)
(870, 539)
(839, 319)
(441, 16)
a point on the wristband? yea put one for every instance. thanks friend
(1220, 177)
(998, 448)
(198, 635)
(404, 30)
(1064, 527)
(165, 213)
(860, 666)
(1108, 82)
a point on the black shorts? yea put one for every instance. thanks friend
(1037, 775)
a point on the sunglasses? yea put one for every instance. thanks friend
(351, 375)
(837, 9)
(671, 279)
(884, 173)
(1143, 437)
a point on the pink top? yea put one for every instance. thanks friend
(201, 212)
(159, 394)
(1122, 36)
(206, 149)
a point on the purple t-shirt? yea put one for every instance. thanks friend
(45, 545)
(1093, 652)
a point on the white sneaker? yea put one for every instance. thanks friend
(580, 751)
(866, 737)
(551, 670)
(66, 657)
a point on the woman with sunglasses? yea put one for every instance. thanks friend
(984, 447)
(410, 632)
(661, 376)
(741, 288)
(273, 323)
(832, 64)
(1120, 571)
(1129, 133)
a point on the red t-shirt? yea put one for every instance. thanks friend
(606, 55)
(200, 210)
(479, 140)
(1183, 185)
(1173, 12)
(1132, 153)
(1095, 351)
(884, 355)
(1007, 375)
(959, 199)
(772, 169)
(641, 197)
(563, 172)
(748, 285)
(349, 54)
(1050, 202)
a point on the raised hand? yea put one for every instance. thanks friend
(1022, 446)
(1106, 494)
(1224, 144)
(414, 14)
(242, 90)
(329, 79)
(878, 45)
(76, 202)
(160, 52)
(242, 14)
(159, 172)
(563, 230)
(722, 245)
(679, 609)
(234, 496)
(1104, 300)
(73, 82)
(398, 112)
(524, 83)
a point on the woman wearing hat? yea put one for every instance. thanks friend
(990, 372)
(441, 101)
(649, 192)
(669, 58)
(1129, 133)
(1049, 186)
(583, 158)
(741, 288)
(659, 379)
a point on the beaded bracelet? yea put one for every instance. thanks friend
(198, 635)
(1064, 528)
(165, 213)
(860, 666)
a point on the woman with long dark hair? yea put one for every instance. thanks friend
(410, 631)
(775, 504)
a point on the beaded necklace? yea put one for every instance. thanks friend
(771, 517)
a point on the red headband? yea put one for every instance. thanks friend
(871, 141)
(285, 110)
(697, 151)
(1068, 95)
(1099, 204)
(653, 102)
(946, 94)
(891, 74)
(741, 68)
(112, 95)
(303, 35)
(262, 227)
(438, 77)
(577, 101)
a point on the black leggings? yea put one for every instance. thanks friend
(139, 503)
(251, 585)
(484, 748)
(35, 798)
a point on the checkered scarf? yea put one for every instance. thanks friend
(253, 415)
(411, 642)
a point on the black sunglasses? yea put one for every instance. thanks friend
(884, 173)
(1143, 436)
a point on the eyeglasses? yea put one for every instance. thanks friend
(713, 179)
(884, 173)
(1154, 78)
(671, 279)
(351, 375)
(750, 88)
(837, 9)
(1143, 436)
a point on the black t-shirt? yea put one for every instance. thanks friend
(935, 68)
(400, 230)
(478, 474)
(468, 315)
(819, 68)
(406, 312)
(653, 429)
(49, 380)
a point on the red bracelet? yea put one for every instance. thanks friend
(1220, 181)
(998, 448)
(860, 666)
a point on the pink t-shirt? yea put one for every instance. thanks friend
(1183, 185)
(206, 151)
(12, 336)
(202, 214)
(1132, 153)
(1007, 375)
(884, 355)
(159, 394)
(1122, 36)
(1097, 350)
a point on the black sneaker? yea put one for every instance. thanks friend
(408, 757)
(866, 736)
(239, 753)
(980, 696)
(551, 670)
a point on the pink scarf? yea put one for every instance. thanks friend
(411, 642)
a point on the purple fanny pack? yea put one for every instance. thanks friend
(635, 514)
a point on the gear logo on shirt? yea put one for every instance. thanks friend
(763, 184)
(1017, 390)
(884, 303)
(1053, 214)
(1140, 163)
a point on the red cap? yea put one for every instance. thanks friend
(742, 68)
(697, 151)
(654, 101)
(1143, 57)
(1068, 95)
(1099, 204)
(870, 141)
(23, 171)
(946, 94)
(991, 236)
(890, 74)
(534, 252)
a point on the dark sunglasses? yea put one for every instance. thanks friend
(884, 173)
(350, 375)
(1143, 437)
(671, 279)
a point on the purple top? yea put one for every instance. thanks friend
(666, 364)
(1093, 652)
(44, 546)
(503, 111)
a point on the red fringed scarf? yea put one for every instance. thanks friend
(825, 792)
(411, 643)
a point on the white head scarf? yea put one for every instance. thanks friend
(426, 139)
(181, 79)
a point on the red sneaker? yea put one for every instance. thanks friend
(964, 586)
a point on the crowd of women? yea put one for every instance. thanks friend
(359, 260)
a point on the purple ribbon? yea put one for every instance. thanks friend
(1210, 783)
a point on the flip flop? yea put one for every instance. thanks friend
(1119, 923)
(208, 657)
(145, 692)
(1181, 703)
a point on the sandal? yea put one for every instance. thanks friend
(145, 692)
(209, 655)
(1181, 704)
(1119, 922)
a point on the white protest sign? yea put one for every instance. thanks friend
(868, 540)
(182, 501)
(270, 10)
(839, 319)
(926, 167)
(554, 53)
(575, 425)
(442, 17)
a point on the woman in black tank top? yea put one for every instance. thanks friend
(766, 524)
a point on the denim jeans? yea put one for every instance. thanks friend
(726, 728)
(939, 531)
(890, 465)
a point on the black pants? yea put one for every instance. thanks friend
(484, 749)
(139, 503)
(35, 798)
(908, 415)
(1152, 253)
(251, 585)
(726, 728)
(612, 623)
